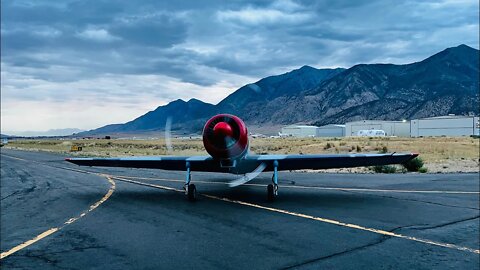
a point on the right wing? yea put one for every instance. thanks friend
(173, 163)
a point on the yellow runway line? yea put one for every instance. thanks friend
(324, 220)
(69, 221)
(28, 243)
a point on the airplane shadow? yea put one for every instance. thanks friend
(256, 195)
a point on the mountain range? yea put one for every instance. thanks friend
(445, 83)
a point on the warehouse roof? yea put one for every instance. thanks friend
(299, 126)
(447, 117)
(333, 126)
(376, 121)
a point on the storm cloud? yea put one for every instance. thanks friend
(120, 59)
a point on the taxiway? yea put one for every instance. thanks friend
(55, 215)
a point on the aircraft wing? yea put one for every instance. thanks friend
(298, 162)
(173, 163)
(248, 163)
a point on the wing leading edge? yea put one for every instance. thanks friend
(249, 163)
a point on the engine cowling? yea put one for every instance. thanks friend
(225, 136)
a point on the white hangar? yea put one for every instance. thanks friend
(391, 128)
(314, 131)
(299, 131)
(450, 125)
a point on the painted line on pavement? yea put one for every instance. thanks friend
(68, 222)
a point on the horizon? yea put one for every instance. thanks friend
(75, 70)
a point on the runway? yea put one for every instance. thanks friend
(55, 215)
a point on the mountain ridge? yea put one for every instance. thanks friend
(446, 82)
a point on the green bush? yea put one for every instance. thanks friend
(383, 150)
(422, 170)
(413, 165)
(384, 169)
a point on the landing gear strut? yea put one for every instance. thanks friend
(190, 189)
(272, 189)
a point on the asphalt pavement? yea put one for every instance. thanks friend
(56, 215)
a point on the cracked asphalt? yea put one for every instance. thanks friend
(140, 227)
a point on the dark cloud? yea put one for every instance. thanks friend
(212, 43)
(246, 38)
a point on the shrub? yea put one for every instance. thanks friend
(384, 169)
(328, 146)
(383, 150)
(422, 170)
(413, 165)
(359, 149)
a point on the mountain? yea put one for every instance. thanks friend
(292, 83)
(445, 83)
(184, 116)
(190, 116)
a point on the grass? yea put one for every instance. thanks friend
(432, 150)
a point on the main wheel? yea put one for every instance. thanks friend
(270, 193)
(192, 192)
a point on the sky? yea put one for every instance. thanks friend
(85, 64)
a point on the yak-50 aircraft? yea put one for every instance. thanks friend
(225, 138)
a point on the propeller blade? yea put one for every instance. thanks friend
(168, 135)
(248, 176)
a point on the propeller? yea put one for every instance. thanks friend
(168, 135)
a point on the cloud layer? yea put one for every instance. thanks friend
(88, 63)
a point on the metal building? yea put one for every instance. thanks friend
(450, 125)
(391, 128)
(299, 131)
(331, 131)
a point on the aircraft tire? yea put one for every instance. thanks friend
(270, 193)
(192, 192)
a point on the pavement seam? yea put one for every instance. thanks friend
(347, 251)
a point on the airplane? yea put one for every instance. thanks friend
(225, 138)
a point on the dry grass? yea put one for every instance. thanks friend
(434, 151)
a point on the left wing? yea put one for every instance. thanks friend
(298, 162)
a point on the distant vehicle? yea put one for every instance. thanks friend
(225, 138)
(258, 135)
(75, 148)
(371, 133)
